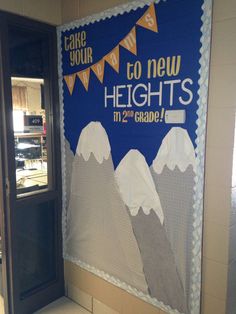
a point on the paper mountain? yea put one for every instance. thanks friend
(94, 140)
(176, 150)
(136, 185)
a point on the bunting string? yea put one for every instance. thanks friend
(148, 21)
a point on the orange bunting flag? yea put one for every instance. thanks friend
(70, 82)
(149, 20)
(129, 42)
(84, 77)
(98, 69)
(113, 58)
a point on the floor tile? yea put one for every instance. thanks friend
(62, 306)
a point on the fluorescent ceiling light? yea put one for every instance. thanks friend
(27, 79)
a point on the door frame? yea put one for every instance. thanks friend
(6, 244)
(7, 155)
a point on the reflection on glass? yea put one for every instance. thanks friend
(39, 266)
(29, 121)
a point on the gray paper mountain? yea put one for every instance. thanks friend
(173, 174)
(99, 228)
(142, 200)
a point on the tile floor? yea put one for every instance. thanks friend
(1, 305)
(62, 306)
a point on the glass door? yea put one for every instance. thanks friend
(32, 154)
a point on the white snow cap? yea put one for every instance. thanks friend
(94, 139)
(136, 185)
(176, 151)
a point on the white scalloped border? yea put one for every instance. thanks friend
(195, 293)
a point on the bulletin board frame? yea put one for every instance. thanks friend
(200, 150)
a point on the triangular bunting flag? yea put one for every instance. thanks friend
(149, 20)
(84, 77)
(113, 58)
(70, 82)
(129, 42)
(98, 69)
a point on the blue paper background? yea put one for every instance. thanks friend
(179, 23)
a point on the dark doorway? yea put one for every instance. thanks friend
(30, 162)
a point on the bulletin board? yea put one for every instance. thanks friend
(133, 92)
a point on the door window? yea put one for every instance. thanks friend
(30, 134)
